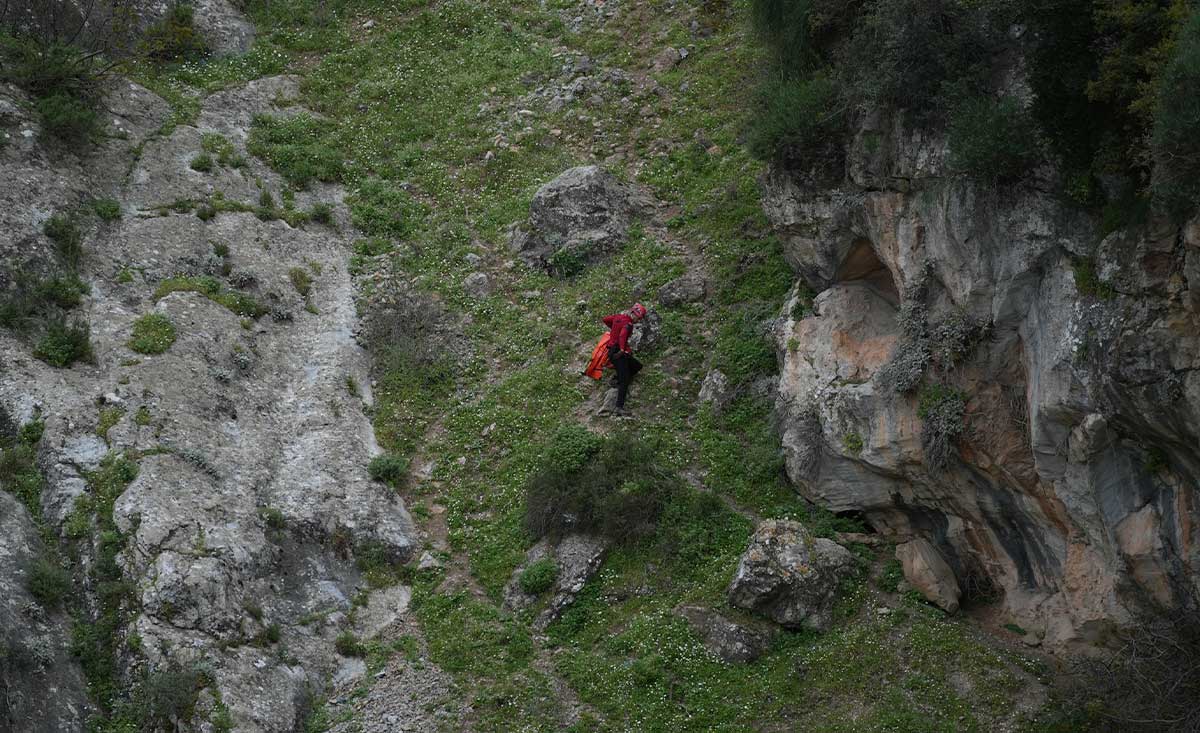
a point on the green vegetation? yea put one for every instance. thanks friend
(64, 343)
(215, 144)
(1088, 282)
(49, 583)
(106, 209)
(993, 140)
(853, 443)
(539, 577)
(389, 468)
(19, 474)
(202, 163)
(64, 231)
(941, 411)
(301, 280)
(62, 78)
(348, 645)
(299, 147)
(153, 333)
(211, 288)
(174, 37)
(1175, 141)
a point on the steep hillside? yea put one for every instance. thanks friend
(295, 436)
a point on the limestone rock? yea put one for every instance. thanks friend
(926, 571)
(1070, 483)
(715, 391)
(690, 288)
(790, 577)
(477, 285)
(577, 557)
(582, 214)
(729, 640)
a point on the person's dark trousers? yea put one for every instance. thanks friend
(626, 366)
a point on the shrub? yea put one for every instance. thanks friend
(619, 493)
(853, 443)
(67, 117)
(203, 163)
(107, 209)
(49, 583)
(539, 577)
(272, 517)
(153, 333)
(211, 288)
(64, 232)
(63, 291)
(379, 209)
(743, 350)
(301, 280)
(174, 37)
(322, 213)
(993, 140)
(800, 122)
(1088, 282)
(302, 147)
(348, 645)
(389, 468)
(65, 343)
(941, 411)
(566, 262)
(1175, 142)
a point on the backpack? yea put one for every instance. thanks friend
(599, 361)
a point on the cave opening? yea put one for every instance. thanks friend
(862, 265)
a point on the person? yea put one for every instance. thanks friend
(620, 355)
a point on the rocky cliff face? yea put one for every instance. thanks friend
(983, 369)
(250, 501)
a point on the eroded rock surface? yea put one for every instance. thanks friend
(581, 215)
(789, 576)
(955, 380)
(251, 498)
(577, 558)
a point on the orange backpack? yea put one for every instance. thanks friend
(599, 362)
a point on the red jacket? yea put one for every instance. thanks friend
(620, 327)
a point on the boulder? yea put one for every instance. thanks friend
(729, 640)
(789, 576)
(477, 285)
(577, 558)
(690, 288)
(647, 333)
(580, 216)
(715, 390)
(928, 573)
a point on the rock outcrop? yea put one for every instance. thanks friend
(928, 573)
(981, 369)
(251, 497)
(583, 214)
(789, 576)
(734, 642)
(576, 559)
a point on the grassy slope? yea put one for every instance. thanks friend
(414, 105)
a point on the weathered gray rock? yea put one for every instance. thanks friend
(577, 556)
(790, 577)
(926, 571)
(1069, 396)
(477, 285)
(252, 490)
(583, 214)
(690, 288)
(647, 333)
(715, 390)
(731, 641)
(42, 688)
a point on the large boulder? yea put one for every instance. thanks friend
(583, 214)
(789, 576)
(926, 570)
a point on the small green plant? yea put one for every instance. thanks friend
(174, 37)
(202, 163)
(352, 386)
(301, 147)
(49, 583)
(388, 468)
(891, 576)
(1016, 629)
(301, 280)
(153, 333)
(142, 416)
(109, 417)
(348, 645)
(941, 410)
(70, 118)
(321, 213)
(853, 443)
(566, 262)
(539, 577)
(1088, 282)
(64, 232)
(65, 343)
(272, 517)
(106, 209)
(209, 287)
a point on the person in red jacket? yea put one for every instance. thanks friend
(619, 353)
